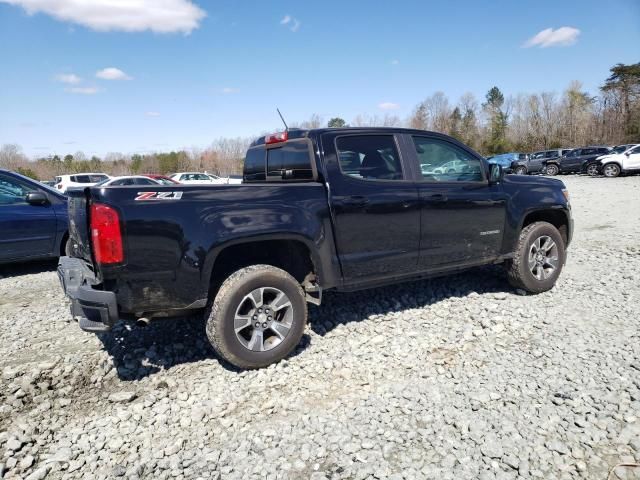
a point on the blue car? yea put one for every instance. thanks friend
(508, 160)
(33, 220)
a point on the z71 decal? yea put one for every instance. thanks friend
(159, 196)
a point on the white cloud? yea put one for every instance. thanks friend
(229, 90)
(112, 73)
(152, 114)
(561, 37)
(70, 78)
(162, 16)
(291, 22)
(83, 90)
(388, 106)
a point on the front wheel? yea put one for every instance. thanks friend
(611, 170)
(258, 316)
(538, 259)
(520, 170)
(552, 169)
(592, 170)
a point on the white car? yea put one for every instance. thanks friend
(625, 162)
(63, 182)
(127, 180)
(196, 178)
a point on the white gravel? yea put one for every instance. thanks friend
(455, 378)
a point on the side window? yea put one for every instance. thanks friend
(551, 154)
(635, 151)
(117, 183)
(254, 165)
(588, 151)
(441, 161)
(13, 191)
(603, 151)
(143, 181)
(370, 157)
(292, 161)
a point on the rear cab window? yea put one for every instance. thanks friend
(286, 161)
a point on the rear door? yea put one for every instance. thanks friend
(374, 205)
(25, 230)
(535, 161)
(462, 215)
(632, 160)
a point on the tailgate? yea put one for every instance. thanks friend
(78, 223)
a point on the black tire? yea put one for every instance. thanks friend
(552, 169)
(593, 170)
(519, 270)
(520, 170)
(221, 315)
(611, 170)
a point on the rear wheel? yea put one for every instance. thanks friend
(611, 170)
(552, 169)
(538, 259)
(258, 316)
(520, 170)
(68, 247)
(592, 170)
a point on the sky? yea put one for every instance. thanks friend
(153, 75)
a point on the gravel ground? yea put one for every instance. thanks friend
(455, 378)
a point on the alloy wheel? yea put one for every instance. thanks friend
(263, 319)
(543, 257)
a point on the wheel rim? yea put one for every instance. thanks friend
(263, 319)
(521, 171)
(610, 171)
(543, 257)
(552, 170)
(592, 170)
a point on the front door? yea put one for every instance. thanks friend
(374, 204)
(25, 230)
(462, 215)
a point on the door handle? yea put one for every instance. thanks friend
(437, 198)
(356, 201)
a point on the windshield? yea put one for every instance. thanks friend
(164, 181)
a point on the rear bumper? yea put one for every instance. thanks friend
(96, 310)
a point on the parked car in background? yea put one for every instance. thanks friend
(127, 180)
(234, 179)
(509, 161)
(163, 179)
(536, 162)
(594, 167)
(196, 178)
(615, 164)
(575, 161)
(33, 220)
(63, 182)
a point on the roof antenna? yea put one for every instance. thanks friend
(286, 128)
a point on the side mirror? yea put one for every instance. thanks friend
(627, 153)
(36, 198)
(496, 173)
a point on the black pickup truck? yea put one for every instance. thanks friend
(345, 209)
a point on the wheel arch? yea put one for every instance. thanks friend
(555, 216)
(293, 253)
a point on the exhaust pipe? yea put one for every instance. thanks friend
(143, 321)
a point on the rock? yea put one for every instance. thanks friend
(491, 448)
(122, 397)
(557, 446)
(27, 462)
(39, 473)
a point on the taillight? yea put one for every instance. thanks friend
(59, 186)
(276, 137)
(105, 234)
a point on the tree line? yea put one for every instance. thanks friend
(497, 124)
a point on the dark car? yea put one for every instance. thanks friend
(575, 161)
(321, 209)
(33, 220)
(536, 161)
